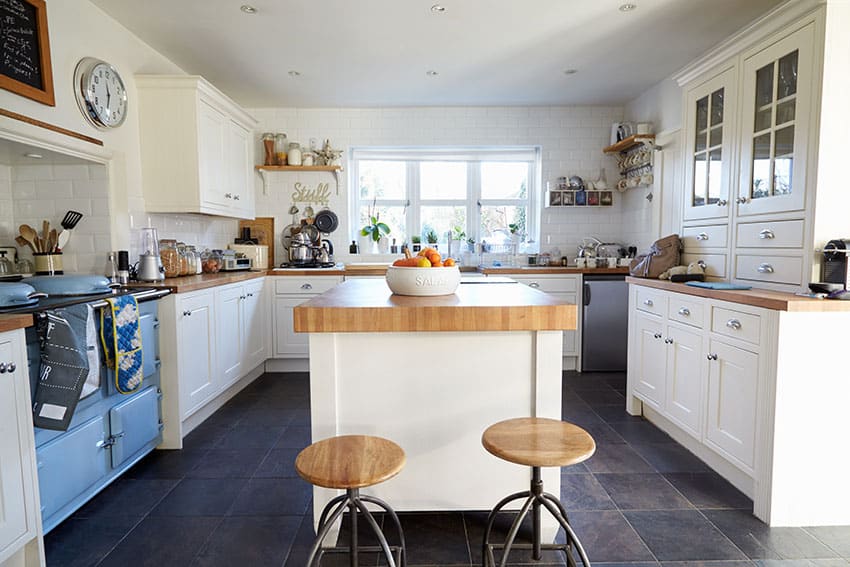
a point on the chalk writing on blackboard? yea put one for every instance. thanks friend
(25, 50)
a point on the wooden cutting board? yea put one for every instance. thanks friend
(262, 228)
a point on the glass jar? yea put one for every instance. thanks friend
(211, 261)
(170, 258)
(268, 148)
(184, 259)
(294, 155)
(7, 267)
(280, 149)
(25, 267)
(195, 261)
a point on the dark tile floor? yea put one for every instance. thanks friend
(232, 498)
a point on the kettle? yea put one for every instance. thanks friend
(300, 251)
(325, 252)
(587, 248)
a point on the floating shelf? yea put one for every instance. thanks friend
(629, 143)
(265, 169)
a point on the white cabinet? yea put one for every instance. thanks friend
(196, 349)
(291, 291)
(240, 329)
(255, 317)
(565, 288)
(19, 518)
(196, 148)
(684, 394)
(649, 367)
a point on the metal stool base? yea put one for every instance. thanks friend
(535, 498)
(396, 555)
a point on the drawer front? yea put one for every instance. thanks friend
(685, 309)
(695, 237)
(773, 269)
(305, 284)
(779, 234)
(549, 283)
(651, 301)
(735, 324)
(715, 264)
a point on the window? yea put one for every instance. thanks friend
(479, 192)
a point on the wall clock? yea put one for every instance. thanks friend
(100, 93)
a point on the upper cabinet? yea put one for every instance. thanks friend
(776, 123)
(710, 108)
(197, 152)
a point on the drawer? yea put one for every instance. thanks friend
(694, 237)
(773, 269)
(549, 283)
(685, 309)
(305, 284)
(779, 234)
(735, 324)
(651, 300)
(715, 264)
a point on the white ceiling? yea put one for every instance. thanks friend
(487, 52)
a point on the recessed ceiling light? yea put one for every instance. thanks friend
(431, 73)
(570, 71)
(294, 74)
(34, 155)
(438, 9)
(627, 7)
(248, 9)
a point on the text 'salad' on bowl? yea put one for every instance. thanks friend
(423, 281)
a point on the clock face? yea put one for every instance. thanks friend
(101, 93)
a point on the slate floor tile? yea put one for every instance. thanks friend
(476, 524)
(583, 492)
(278, 463)
(836, 537)
(166, 464)
(261, 417)
(156, 542)
(603, 434)
(251, 437)
(608, 538)
(648, 491)
(249, 541)
(642, 432)
(759, 541)
(709, 490)
(205, 436)
(294, 437)
(602, 397)
(199, 497)
(132, 498)
(228, 463)
(682, 535)
(617, 459)
(272, 497)
(434, 539)
(615, 413)
(83, 542)
(670, 457)
(706, 564)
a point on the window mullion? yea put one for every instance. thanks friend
(414, 202)
(473, 197)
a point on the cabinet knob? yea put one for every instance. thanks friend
(668, 340)
(228, 195)
(306, 286)
(734, 324)
(648, 302)
(657, 335)
(702, 236)
(534, 284)
(2, 367)
(10, 367)
(711, 356)
(701, 264)
(684, 311)
(742, 200)
(722, 202)
(187, 313)
(242, 297)
(767, 234)
(250, 295)
(765, 269)
(236, 197)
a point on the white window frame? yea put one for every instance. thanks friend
(473, 156)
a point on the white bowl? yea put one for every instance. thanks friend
(423, 281)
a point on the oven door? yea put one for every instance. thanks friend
(134, 425)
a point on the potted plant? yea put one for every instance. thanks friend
(470, 244)
(417, 243)
(432, 238)
(375, 230)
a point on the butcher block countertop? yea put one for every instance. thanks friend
(16, 321)
(764, 298)
(185, 284)
(367, 305)
(534, 270)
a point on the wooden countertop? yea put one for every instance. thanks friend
(764, 298)
(367, 305)
(12, 322)
(201, 281)
(533, 270)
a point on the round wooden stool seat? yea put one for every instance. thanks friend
(350, 461)
(538, 442)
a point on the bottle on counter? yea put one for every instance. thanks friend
(111, 268)
(294, 155)
(123, 267)
(393, 247)
(352, 248)
(280, 149)
(268, 148)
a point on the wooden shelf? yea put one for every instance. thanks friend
(629, 143)
(298, 167)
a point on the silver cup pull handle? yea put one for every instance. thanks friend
(648, 302)
(734, 324)
(702, 236)
(306, 286)
(767, 234)
(765, 269)
(684, 312)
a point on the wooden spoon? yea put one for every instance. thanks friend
(24, 242)
(52, 240)
(30, 235)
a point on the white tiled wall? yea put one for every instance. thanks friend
(572, 139)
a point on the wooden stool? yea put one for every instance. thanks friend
(536, 442)
(352, 462)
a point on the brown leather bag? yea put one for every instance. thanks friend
(663, 255)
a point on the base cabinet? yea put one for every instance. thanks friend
(20, 520)
(196, 349)
(565, 288)
(289, 292)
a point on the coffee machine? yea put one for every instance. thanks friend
(150, 264)
(834, 268)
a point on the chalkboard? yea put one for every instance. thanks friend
(25, 50)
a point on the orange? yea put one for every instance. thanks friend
(437, 264)
(449, 262)
(434, 256)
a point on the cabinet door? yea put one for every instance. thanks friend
(196, 326)
(255, 325)
(13, 509)
(777, 99)
(650, 357)
(239, 190)
(229, 333)
(732, 396)
(710, 118)
(288, 343)
(212, 125)
(686, 365)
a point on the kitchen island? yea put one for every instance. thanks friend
(431, 374)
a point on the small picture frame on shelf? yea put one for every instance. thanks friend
(554, 198)
(606, 198)
(567, 199)
(593, 198)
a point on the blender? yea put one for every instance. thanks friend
(150, 265)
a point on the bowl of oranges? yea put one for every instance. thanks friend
(424, 274)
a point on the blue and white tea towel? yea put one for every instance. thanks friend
(122, 342)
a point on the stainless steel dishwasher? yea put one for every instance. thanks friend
(605, 323)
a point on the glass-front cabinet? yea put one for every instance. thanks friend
(710, 120)
(776, 115)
